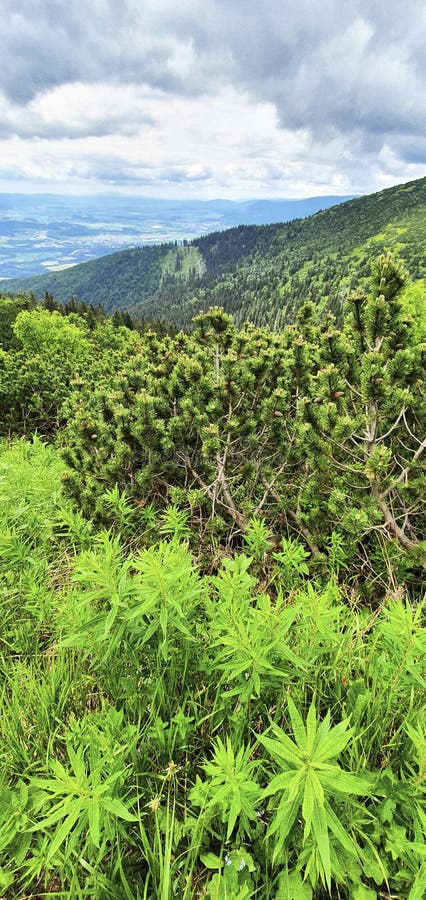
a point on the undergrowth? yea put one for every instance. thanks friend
(253, 732)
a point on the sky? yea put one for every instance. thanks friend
(212, 98)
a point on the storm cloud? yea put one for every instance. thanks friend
(334, 93)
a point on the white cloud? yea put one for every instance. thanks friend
(218, 142)
(227, 98)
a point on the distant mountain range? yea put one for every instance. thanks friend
(258, 273)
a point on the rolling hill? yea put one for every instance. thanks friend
(258, 273)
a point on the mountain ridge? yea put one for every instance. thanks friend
(48, 233)
(258, 273)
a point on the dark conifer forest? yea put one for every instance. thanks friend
(261, 274)
(212, 558)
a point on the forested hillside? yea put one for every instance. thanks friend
(262, 274)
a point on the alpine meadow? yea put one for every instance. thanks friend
(212, 565)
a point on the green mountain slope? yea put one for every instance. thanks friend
(257, 273)
(117, 280)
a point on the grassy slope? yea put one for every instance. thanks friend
(260, 273)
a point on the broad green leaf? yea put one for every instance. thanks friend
(320, 831)
(418, 890)
(57, 814)
(322, 730)
(6, 878)
(283, 821)
(297, 725)
(308, 805)
(117, 808)
(59, 770)
(284, 749)
(311, 729)
(291, 887)
(339, 832)
(341, 782)
(295, 787)
(334, 742)
(280, 782)
(233, 814)
(150, 631)
(360, 892)
(211, 861)
(220, 794)
(290, 656)
(317, 787)
(62, 833)
(77, 765)
(93, 812)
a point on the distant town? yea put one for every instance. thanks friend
(48, 233)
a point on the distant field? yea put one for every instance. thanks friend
(46, 233)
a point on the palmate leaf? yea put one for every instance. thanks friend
(309, 778)
(231, 788)
(291, 887)
(330, 745)
(77, 807)
(254, 641)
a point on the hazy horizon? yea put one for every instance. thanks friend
(47, 232)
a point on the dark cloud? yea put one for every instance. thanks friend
(268, 47)
(412, 150)
(351, 70)
(45, 44)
